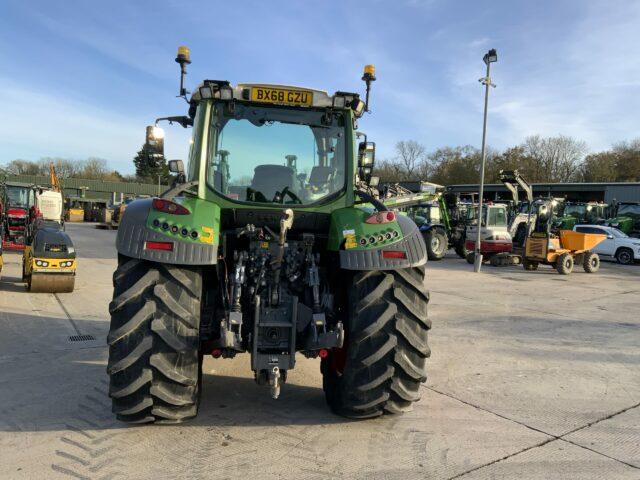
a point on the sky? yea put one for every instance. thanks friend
(83, 78)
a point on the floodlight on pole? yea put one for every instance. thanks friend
(490, 57)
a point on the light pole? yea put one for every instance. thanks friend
(159, 175)
(490, 57)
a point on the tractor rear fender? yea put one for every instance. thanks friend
(194, 237)
(365, 246)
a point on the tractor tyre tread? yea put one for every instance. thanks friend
(387, 347)
(153, 342)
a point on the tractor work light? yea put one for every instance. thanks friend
(157, 133)
(491, 56)
(216, 89)
(351, 100)
(206, 92)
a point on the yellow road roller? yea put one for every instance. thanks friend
(49, 259)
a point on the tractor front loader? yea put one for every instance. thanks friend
(270, 244)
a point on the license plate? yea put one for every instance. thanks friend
(282, 96)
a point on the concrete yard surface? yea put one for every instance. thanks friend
(533, 375)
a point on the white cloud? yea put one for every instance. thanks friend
(584, 84)
(37, 124)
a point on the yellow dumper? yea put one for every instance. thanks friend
(562, 251)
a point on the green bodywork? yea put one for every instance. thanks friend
(627, 218)
(204, 220)
(350, 221)
(576, 213)
(437, 203)
(624, 224)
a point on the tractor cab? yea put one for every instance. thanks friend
(581, 212)
(17, 201)
(626, 218)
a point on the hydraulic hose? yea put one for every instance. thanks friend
(373, 201)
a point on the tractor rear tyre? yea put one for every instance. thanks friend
(382, 364)
(591, 262)
(564, 264)
(471, 258)
(529, 265)
(436, 242)
(154, 359)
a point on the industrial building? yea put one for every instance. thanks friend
(94, 190)
(580, 192)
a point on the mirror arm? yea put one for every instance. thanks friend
(177, 190)
(181, 119)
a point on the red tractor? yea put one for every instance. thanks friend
(15, 201)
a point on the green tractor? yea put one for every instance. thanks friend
(626, 217)
(575, 213)
(253, 251)
(442, 223)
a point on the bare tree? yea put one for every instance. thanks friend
(65, 168)
(22, 167)
(558, 158)
(94, 168)
(410, 155)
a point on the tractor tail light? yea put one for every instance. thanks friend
(381, 217)
(394, 254)
(164, 246)
(167, 206)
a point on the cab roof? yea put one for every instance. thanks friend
(242, 92)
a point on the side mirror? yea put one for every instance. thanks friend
(154, 142)
(610, 237)
(366, 160)
(176, 166)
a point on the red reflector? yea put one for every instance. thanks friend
(167, 206)
(393, 254)
(16, 212)
(166, 246)
(324, 353)
(216, 353)
(381, 217)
